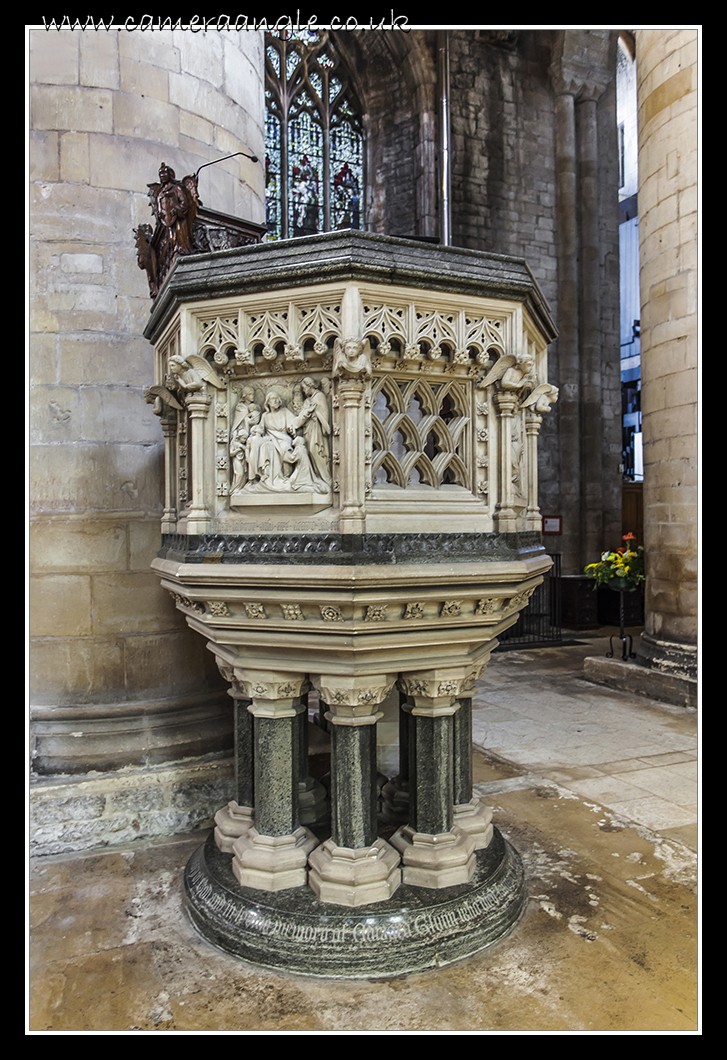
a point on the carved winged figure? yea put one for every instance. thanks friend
(511, 373)
(160, 397)
(175, 204)
(351, 357)
(541, 398)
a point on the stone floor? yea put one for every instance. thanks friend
(597, 789)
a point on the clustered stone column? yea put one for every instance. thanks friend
(355, 866)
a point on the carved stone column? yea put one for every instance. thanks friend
(236, 819)
(352, 367)
(435, 853)
(354, 867)
(272, 856)
(470, 813)
(396, 791)
(311, 793)
(506, 401)
(198, 406)
(169, 427)
(352, 478)
(533, 423)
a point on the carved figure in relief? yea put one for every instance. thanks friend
(246, 416)
(193, 372)
(541, 398)
(303, 476)
(146, 256)
(269, 447)
(512, 374)
(315, 421)
(184, 375)
(351, 357)
(161, 398)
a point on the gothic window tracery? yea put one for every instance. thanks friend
(313, 138)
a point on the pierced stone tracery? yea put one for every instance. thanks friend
(418, 432)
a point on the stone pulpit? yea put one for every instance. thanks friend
(351, 515)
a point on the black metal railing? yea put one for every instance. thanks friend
(540, 623)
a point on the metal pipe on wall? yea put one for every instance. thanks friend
(445, 173)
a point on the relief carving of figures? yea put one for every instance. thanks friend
(246, 416)
(281, 460)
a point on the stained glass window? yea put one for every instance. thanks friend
(313, 139)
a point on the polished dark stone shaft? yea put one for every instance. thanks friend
(353, 785)
(431, 807)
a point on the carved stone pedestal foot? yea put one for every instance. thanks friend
(272, 863)
(475, 818)
(231, 822)
(395, 800)
(435, 861)
(345, 876)
(312, 801)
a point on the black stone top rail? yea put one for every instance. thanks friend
(348, 255)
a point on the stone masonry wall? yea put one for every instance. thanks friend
(106, 109)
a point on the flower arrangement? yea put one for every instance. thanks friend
(622, 569)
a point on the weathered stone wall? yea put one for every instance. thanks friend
(666, 63)
(106, 109)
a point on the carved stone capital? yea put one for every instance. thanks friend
(434, 692)
(353, 700)
(273, 694)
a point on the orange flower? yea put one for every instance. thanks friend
(628, 537)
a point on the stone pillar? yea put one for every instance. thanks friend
(396, 791)
(435, 853)
(470, 813)
(198, 406)
(533, 421)
(236, 819)
(569, 406)
(272, 855)
(311, 793)
(504, 513)
(666, 68)
(354, 867)
(591, 353)
(169, 428)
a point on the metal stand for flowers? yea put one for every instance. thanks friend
(626, 653)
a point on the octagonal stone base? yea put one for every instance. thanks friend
(414, 930)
